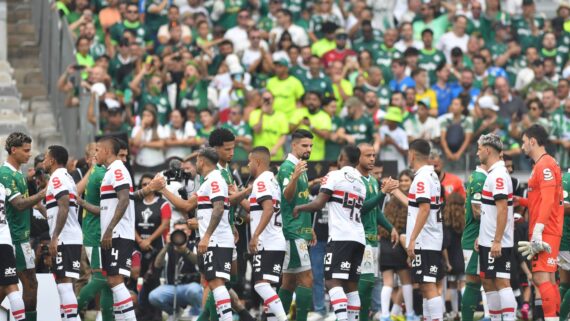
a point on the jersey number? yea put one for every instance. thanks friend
(256, 260)
(417, 261)
(351, 204)
(328, 259)
(208, 257)
(115, 254)
(491, 259)
(277, 214)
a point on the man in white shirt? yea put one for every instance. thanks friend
(285, 22)
(454, 38)
(238, 34)
(421, 125)
(393, 139)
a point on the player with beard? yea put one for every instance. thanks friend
(298, 231)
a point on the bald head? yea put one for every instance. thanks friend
(367, 158)
(259, 159)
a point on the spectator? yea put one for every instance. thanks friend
(387, 54)
(186, 288)
(550, 101)
(442, 88)
(82, 56)
(450, 183)
(430, 19)
(342, 88)
(110, 14)
(285, 23)
(115, 122)
(327, 42)
(164, 35)
(454, 38)
(430, 57)
(316, 80)
(208, 122)
(323, 13)
(242, 133)
(407, 38)
(193, 91)
(393, 138)
(549, 50)
(368, 41)
(373, 109)
(179, 136)
(357, 128)
(510, 104)
(534, 116)
(286, 88)
(456, 131)
(334, 141)
(423, 91)
(539, 83)
(267, 23)
(315, 120)
(148, 139)
(400, 81)
(466, 88)
(270, 127)
(341, 52)
(256, 58)
(561, 135)
(238, 34)
(421, 124)
(375, 83)
(563, 90)
(131, 23)
(152, 92)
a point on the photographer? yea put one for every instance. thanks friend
(152, 220)
(182, 277)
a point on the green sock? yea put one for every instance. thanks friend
(204, 315)
(304, 302)
(365, 287)
(564, 287)
(106, 303)
(211, 305)
(286, 297)
(565, 304)
(88, 292)
(470, 300)
(31, 315)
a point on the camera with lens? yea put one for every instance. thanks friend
(178, 238)
(177, 175)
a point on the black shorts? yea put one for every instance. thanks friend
(343, 260)
(427, 266)
(8, 265)
(118, 259)
(67, 262)
(392, 258)
(216, 263)
(495, 267)
(267, 265)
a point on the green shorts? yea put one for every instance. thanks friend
(471, 262)
(93, 256)
(25, 256)
(297, 257)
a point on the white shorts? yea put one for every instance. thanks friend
(564, 260)
(370, 260)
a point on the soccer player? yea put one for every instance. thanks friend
(372, 216)
(267, 244)
(470, 299)
(496, 232)
(18, 205)
(64, 228)
(117, 215)
(9, 279)
(564, 256)
(216, 244)
(424, 229)
(294, 185)
(343, 193)
(546, 215)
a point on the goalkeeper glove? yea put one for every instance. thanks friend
(536, 241)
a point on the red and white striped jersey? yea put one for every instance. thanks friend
(214, 188)
(5, 237)
(347, 193)
(117, 178)
(425, 188)
(61, 184)
(265, 187)
(498, 186)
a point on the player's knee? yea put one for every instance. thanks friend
(306, 279)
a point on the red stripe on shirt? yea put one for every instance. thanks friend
(342, 193)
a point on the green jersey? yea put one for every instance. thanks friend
(153, 21)
(18, 221)
(523, 32)
(383, 58)
(300, 227)
(159, 101)
(370, 219)
(429, 60)
(317, 21)
(362, 44)
(321, 84)
(229, 18)
(565, 242)
(239, 130)
(91, 225)
(229, 178)
(332, 149)
(362, 129)
(383, 92)
(143, 36)
(560, 130)
(474, 191)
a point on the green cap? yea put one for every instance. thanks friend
(394, 114)
(425, 102)
(282, 62)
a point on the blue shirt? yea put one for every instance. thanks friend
(473, 93)
(402, 85)
(444, 97)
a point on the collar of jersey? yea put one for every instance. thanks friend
(497, 164)
(111, 165)
(131, 25)
(480, 170)
(221, 167)
(292, 159)
(11, 167)
(424, 168)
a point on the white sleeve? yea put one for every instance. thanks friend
(119, 180)
(328, 183)
(59, 187)
(218, 189)
(499, 187)
(423, 190)
(262, 190)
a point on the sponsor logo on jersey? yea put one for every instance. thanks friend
(349, 177)
(547, 174)
(433, 269)
(551, 261)
(76, 265)
(277, 268)
(128, 263)
(345, 266)
(10, 272)
(227, 266)
(508, 266)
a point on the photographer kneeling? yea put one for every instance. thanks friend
(182, 285)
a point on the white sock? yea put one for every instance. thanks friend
(68, 301)
(396, 309)
(385, 297)
(462, 290)
(485, 305)
(268, 314)
(223, 303)
(339, 302)
(408, 294)
(494, 303)
(508, 304)
(123, 303)
(436, 307)
(425, 307)
(17, 305)
(271, 300)
(454, 297)
(353, 307)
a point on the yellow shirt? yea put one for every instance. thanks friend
(321, 121)
(429, 94)
(348, 90)
(286, 93)
(322, 46)
(273, 127)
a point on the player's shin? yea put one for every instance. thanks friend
(223, 303)
(123, 303)
(68, 301)
(508, 304)
(339, 302)
(353, 307)
(436, 307)
(17, 305)
(469, 301)
(385, 297)
(271, 300)
(304, 300)
(365, 287)
(494, 303)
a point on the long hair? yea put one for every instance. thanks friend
(397, 214)
(152, 109)
(454, 212)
